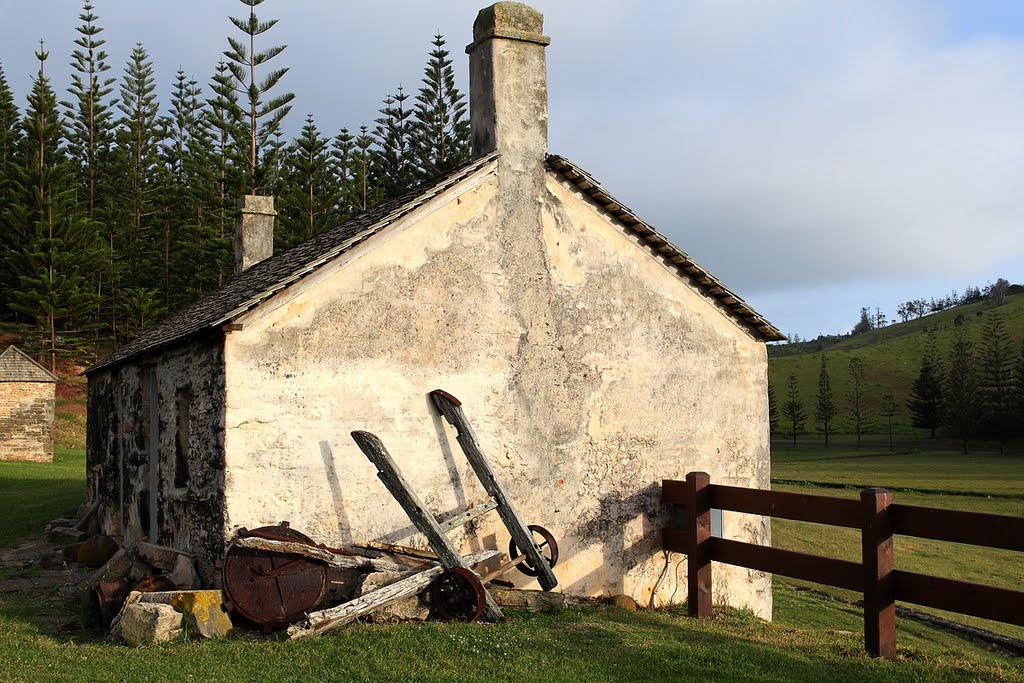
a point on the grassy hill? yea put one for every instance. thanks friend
(891, 356)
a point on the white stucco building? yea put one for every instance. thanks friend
(593, 357)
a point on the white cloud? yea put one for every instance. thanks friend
(803, 143)
(792, 146)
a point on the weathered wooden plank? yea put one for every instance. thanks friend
(325, 620)
(451, 408)
(962, 597)
(335, 560)
(825, 570)
(393, 480)
(797, 506)
(394, 549)
(959, 526)
(469, 515)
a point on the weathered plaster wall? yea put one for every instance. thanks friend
(188, 459)
(26, 420)
(589, 371)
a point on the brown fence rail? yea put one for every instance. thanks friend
(876, 576)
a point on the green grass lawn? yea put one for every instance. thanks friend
(813, 637)
(997, 481)
(986, 474)
(33, 493)
(814, 640)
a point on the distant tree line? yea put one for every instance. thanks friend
(117, 210)
(869, 319)
(968, 390)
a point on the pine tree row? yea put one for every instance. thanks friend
(968, 392)
(116, 211)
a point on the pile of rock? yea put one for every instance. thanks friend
(146, 594)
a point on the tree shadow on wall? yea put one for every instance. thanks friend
(607, 526)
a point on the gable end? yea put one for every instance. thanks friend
(661, 248)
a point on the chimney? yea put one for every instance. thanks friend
(254, 231)
(508, 92)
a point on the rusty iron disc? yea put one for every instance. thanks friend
(273, 589)
(548, 550)
(458, 595)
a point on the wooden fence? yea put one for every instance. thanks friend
(876, 576)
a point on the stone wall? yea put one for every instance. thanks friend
(171, 494)
(589, 370)
(26, 420)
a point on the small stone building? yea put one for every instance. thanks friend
(593, 357)
(27, 396)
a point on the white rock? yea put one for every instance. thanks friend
(184, 575)
(147, 623)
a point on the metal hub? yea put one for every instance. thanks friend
(458, 595)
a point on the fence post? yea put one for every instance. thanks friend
(698, 558)
(879, 590)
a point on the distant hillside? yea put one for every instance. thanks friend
(891, 356)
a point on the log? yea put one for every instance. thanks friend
(365, 564)
(325, 620)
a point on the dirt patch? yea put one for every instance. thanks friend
(60, 578)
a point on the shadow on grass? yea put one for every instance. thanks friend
(29, 503)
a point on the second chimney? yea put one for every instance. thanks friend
(508, 92)
(254, 231)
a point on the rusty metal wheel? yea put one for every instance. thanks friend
(273, 589)
(547, 545)
(458, 595)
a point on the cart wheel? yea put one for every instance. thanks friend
(548, 550)
(458, 595)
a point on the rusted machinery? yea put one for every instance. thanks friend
(272, 589)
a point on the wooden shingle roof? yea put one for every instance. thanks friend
(17, 366)
(664, 250)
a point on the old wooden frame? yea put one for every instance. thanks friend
(875, 576)
(451, 409)
(425, 523)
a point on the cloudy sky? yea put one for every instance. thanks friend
(816, 156)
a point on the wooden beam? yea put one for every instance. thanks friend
(986, 602)
(345, 613)
(451, 408)
(393, 480)
(824, 570)
(959, 526)
(797, 506)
